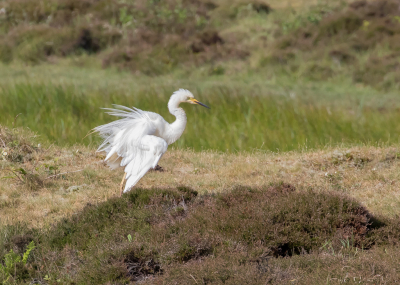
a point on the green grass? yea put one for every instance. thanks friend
(243, 116)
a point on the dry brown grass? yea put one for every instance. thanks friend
(73, 177)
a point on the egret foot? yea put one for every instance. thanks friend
(121, 187)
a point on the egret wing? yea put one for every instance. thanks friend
(130, 142)
(123, 138)
(137, 167)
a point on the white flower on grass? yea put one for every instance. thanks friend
(4, 153)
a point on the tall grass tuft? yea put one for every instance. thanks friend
(236, 121)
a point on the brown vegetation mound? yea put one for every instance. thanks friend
(359, 27)
(287, 222)
(152, 37)
(343, 35)
(16, 147)
(140, 236)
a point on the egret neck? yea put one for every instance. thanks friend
(176, 128)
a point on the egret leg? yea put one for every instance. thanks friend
(121, 187)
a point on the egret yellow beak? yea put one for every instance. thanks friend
(195, 101)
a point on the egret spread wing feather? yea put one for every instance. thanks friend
(123, 138)
(133, 121)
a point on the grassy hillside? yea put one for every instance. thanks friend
(317, 40)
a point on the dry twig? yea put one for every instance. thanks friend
(4, 144)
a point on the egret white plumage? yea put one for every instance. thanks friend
(139, 140)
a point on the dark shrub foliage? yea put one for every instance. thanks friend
(159, 233)
(283, 220)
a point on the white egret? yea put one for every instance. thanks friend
(140, 138)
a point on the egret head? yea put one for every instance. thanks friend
(185, 96)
